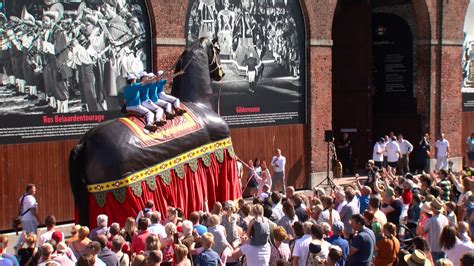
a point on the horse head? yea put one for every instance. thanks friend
(199, 63)
(215, 67)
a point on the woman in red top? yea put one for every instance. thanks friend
(407, 196)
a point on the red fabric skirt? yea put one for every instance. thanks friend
(218, 182)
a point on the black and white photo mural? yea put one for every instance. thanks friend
(63, 64)
(468, 60)
(263, 53)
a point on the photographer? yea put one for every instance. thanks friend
(372, 171)
(422, 154)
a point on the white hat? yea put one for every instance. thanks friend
(131, 76)
(142, 74)
(150, 75)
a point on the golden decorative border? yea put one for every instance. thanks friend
(160, 167)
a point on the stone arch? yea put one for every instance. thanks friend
(349, 58)
(423, 61)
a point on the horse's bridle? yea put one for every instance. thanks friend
(215, 61)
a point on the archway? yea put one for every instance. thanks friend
(376, 72)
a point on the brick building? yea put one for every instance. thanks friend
(341, 55)
(344, 50)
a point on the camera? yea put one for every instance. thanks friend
(450, 166)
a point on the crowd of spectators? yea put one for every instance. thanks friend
(425, 219)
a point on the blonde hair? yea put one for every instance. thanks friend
(83, 232)
(214, 220)
(170, 229)
(152, 242)
(75, 229)
(130, 225)
(257, 210)
(279, 233)
(181, 252)
(207, 240)
(3, 241)
(30, 239)
(444, 262)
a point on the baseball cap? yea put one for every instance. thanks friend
(142, 74)
(57, 235)
(131, 76)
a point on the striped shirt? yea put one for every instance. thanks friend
(445, 185)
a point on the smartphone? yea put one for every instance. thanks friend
(176, 238)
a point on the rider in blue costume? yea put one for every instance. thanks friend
(131, 96)
(165, 101)
(148, 84)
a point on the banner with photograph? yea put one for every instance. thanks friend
(63, 64)
(468, 60)
(263, 53)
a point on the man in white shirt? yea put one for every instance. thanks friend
(378, 152)
(28, 212)
(278, 163)
(155, 227)
(405, 149)
(277, 207)
(301, 248)
(442, 153)
(393, 153)
(329, 215)
(50, 222)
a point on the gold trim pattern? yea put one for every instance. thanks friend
(167, 165)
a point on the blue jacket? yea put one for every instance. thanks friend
(144, 91)
(155, 90)
(131, 94)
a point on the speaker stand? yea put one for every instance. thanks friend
(327, 182)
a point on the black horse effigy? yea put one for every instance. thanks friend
(111, 171)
